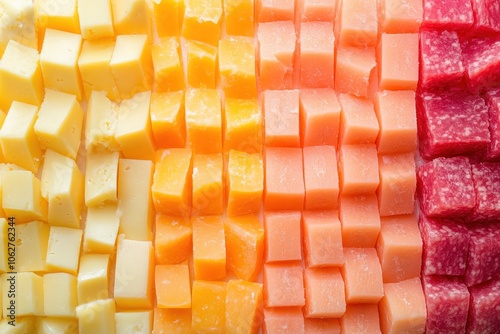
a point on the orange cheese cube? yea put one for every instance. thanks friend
(362, 275)
(401, 16)
(168, 16)
(172, 239)
(283, 285)
(239, 17)
(399, 248)
(325, 296)
(204, 120)
(209, 248)
(401, 49)
(322, 239)
(175, 321)
(396, 113)
(281, 113)
(201, 64)
(402, 309)
(237, 67)
(131, 17)
(355, 71)
(172, 285)
(244, 183)
(283, 320)
(322, 325)
(360, 318)
(171, 189)
(275, 10)
(319, 117)
(360, 220)
(358, 169)
(243, 125)
(318, 10)
(282, 236)
(209, 307)
(207, 184)
(168, 120)
(244, 246)
(284, 180)
(276, 54)
(243, 307)
(398, 183)
(321, 179)
(167, 64)
(358, 122)
(357, 23)
(316, 54)
(202, 21)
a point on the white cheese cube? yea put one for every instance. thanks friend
(95, 17)
(93, 278)
(101, 178)
(63, 250)
(31, 246)
(59, 295)
(101, 229)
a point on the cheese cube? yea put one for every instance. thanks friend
(167, 63)
(97, 317)
(95, 67)
(358, 169)
(52, 325)
(93, 278)
(360, 220)
(101, 229)
(209, 305)
(360, 318)
(5, 167)
(62, 185)
(58, 15)
(173, 287)
(130, 17)
(19, 142)
(277, 318)
(20, 76)
(208, 188)
(135, 204)
(282, 121)
(357, 23)
(168, 15)
(17, 23)
(132, 65)
(27, 295)
(59, 123)
(173, 239)
(243, 125)
(318, 10)
(100, 123)
(283, 285)
(101, 178)
(134, 274)
(22, 197)
(209, 248)
(63, 250)
(172, 320)
(283, 239)
(134, 322)
(201, 64)
(358, 122)
(96, 19)
(239, 17)
(204, 120)
(237, 67)
(244, 307)
(355, 70)
(275, 10)
(168, 120)
(133, 131)
(202, 21)
(324, 289)
(60, 65)
(32, 243)
(4, 244)
(400, 16)
(60, 296)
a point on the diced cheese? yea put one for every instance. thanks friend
(5, 167)
(283, 285)
(360, 318)
(131, 17)
(209, 305)
(281, 118)
(202, 21)
(97, 317)
(140, 322)
(55, 325)
(239, 17)
(25, 290)
(358, 169)
(243, 125)
(275, 10)
(355, 70)
(358, 122)
(101, 178)
(93, 278)
(63, 250)
(170, 320)
(277, 318)
(357, 23)
(101, 229)
(168, 15)
(325, 296)
(209, 248)
(173, 286)
(17, 23)
(100, 124)
(31, 249)
(60, 296)
(56, 14)
(360, 220)
(244, 307)
(283, 238)
(96, 19)
(208, 188)
(173, 239)
(201, 64)
(167, 63)
(168, 120)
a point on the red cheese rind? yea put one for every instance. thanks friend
(484, 317)
(441, 15)
(486, 177)
(483, 254)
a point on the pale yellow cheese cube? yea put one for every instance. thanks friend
(56, 325)
(57, 14)
(95, 18)
(100, 124)
(4, 246)
(63, 250)
(131, 16)
(59, 123)
(134, 274)
(5, 167)
(23, 325)
(59, 295)
(167, 64)
(25, 290)
(31, 246)
(202, 21)
(19, 142)
(20, 76)
(135, 205)
(2, 120)
(101, 229)
(132, 65)
(22, 196)
(93, 278)
(134, 322)
(60, 64)
(17, 23)
(97, 317)
(101, 178)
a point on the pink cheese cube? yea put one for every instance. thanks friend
(317, 10)
(360, 220)
(357, 23)
(355, 70)
(325, 296)
(400, 49)
(482, 65)
(316, 54)
(322, 326)
(362, 275)
(321, 178)
(493, 151)
(397, 118)
(358, 121)
(486, 177)
(400, 16)
(399, 248)
(279, 320)
(445, 246)
(322, 239)
(484, 317)
(283, 285)
(360, 318)
(276, 54)
(402, 310)
(358, 169)
(486, 17)
(281, 118)
(483, 254)
(319, 117)
(440, 15)
(282, 236)
(447, 300)
(275, 10)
